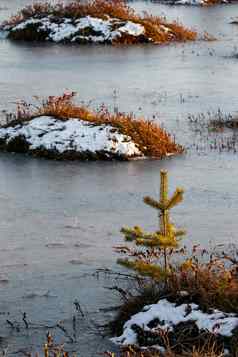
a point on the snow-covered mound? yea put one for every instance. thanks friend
(166, 316)
(72, 139)
(83, 30)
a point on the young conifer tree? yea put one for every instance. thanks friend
(156, 245)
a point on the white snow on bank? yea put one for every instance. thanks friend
(24, 24)
(170, 315)
(190, 2)
(195, 2)
(77, 135)
(132, 29)
(67, 29)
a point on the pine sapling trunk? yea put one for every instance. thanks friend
(164, 217)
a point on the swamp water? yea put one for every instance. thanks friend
(60, 220)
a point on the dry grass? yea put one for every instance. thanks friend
(215, 2)
(151, 139)
(75, 10)
(208, 350)
(102, 9)
(214, 131)
(209, 278)
(214, 121)
(51, 349)
(211, 285)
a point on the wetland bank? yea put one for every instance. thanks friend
(60, 221)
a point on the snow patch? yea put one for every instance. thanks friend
(191, 2)
(87, 28)
(71, 135)
(26, 23)
(195, 2)
(169, 315)
(132, 29)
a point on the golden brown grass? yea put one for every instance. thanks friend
(151, 139)
(211, 285)
(213, 2)
(112, 8)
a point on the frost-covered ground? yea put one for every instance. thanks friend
(72, 138)
(83, 30)
(166, 316)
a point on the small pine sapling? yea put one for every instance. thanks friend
(156, 245)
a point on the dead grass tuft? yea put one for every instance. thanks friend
(74, 10)
(208, 350)
(215, 131)
(212, 285)
(214, 2)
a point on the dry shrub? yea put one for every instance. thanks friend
(210, 285)
(114, 9)
(209, 279)
(151, 139)
(203, 288)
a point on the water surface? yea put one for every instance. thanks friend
(59, 220)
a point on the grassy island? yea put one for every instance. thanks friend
(96, 21)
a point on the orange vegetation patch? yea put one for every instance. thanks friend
(214, 2)
(213, 284)
(157, 29)
(151, 139)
